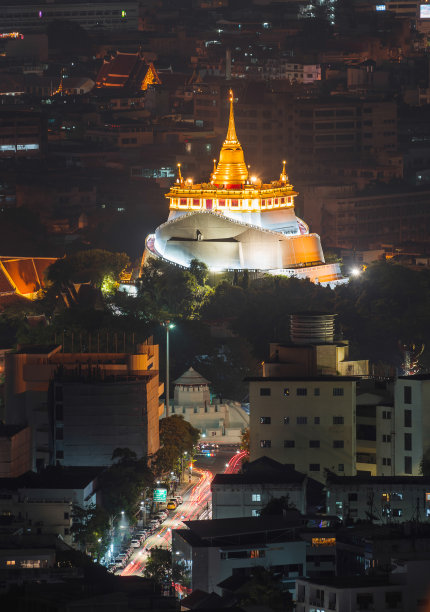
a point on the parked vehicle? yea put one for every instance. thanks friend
(135, 543)
(172, 504)
(154, 524)
(179, 499)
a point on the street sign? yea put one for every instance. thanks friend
(160, 495)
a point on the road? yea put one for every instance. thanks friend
(196, 505)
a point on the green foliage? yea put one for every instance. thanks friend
(265, 589)
(90, 529)
(177, 437)
(92, 266)
(277, 505)
(161, 568)
(168, 291)
(123, 483)
(244, 440)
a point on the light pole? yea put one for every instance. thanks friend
(168, 325)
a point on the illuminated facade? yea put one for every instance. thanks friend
(237, 222)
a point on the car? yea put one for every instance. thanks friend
(154, 523)
(135, 543)
(179, 499)
(172, 505)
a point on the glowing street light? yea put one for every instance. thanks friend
(168, 326)
(355, 272)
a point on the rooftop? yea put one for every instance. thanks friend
(382, 480)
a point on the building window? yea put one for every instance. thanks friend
(265, 391)
(286, 392)
(286, 420)
(256, 497)
(265, 420)
(66, 516)
(386, 438)
(386, 460)
(338, 391)
(314, 467)
(338, 444)
(386, 414)
(58, 394)
(265, 443)
(314, 443)
(316, 420)
(316, 391)
(408, 465)
(408, 418)
(337, 420)
(301, 391)
(289, 444)
(397, 512)
(59, 412)
(59, 454)
(407, 394)
(10, 562)
(302, 420)
(255, 512)
(408, 441)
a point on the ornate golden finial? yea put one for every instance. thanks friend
(283, 177)
(231, 168)
(214, 170)
(180, 179)
(231, 132)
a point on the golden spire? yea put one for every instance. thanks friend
(231, 169)
(283, 176)
(180, 179)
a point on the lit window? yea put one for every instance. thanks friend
(255, 512)
(235, 202)
(256, 497)
(10, 562)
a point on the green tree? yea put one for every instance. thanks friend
(90, 529)
(93, 266)
(124, 482)
(244, 440)
(265, 589)
(177, 437)
(163, 570)
(277, 505)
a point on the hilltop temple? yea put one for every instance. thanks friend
(237, 222)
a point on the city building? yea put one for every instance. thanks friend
(380, 499)
(22, 134)
(106, 14)
(127, 71)
(15, 450)
(260, 481)
(219, 422)
(213, 550)
(236, 221)
(82, 406)
(303, 407)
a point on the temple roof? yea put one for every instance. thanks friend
(191, 378)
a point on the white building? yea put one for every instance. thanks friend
(213, 550)
(384, 499)
(221, 423)
(246, 493)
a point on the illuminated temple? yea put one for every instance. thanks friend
(237, 222)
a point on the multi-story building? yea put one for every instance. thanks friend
(22, 134)
(107, 14)
(213, 550)
(380, 499)
(15, 450)
(81, 406)
(260, 481)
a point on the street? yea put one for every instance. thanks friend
(196, 504)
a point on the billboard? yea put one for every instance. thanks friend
(160, 495)
(424, 11)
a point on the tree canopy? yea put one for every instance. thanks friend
(93, 266)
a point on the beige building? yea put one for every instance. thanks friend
(81, 406)
(15, 450)
(303, 408)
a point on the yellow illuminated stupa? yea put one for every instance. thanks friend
(237, 222)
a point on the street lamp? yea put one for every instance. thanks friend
(168, 325)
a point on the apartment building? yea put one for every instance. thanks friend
(81, 406)
(381, 499)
